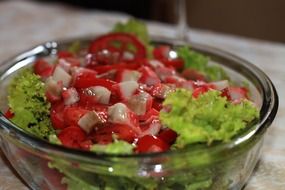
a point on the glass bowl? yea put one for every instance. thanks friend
(220, 166)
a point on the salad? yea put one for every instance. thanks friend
(125, 95)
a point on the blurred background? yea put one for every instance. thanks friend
(261, 19)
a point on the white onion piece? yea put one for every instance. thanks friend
(53, 88)
(153, 129)
(101, 94)
(64, 64)
(138, 103)
(60, 74)
(220, 85)
(118, 113)
(163, 72)
(128, 88)
(155, 63)
(70, 96)
(88, 121)
(129, 75)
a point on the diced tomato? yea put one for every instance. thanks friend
(168, 135)
(56, 115)
(104, 135)
(72, 136)
(200, 90)
(148, 77)
(157, 104)
(176, 63)
(86, 145)
(43, 68)
(85, 81)
(119, 43)
(161, 90)
(192, 74)
(161, 52)
(64, 54)
(149, 143)
(9, 114)
(72, 115)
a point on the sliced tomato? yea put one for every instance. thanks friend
(119, 43)
(43, 68)
(161, 52)
(72, 136)
(200, 90)
(149, 143)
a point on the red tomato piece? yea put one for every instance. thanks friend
(72, 115)
(168, 135)
(56, 115)
(72, 136)
(43, 68)
(200, 90)
(86, 145)
(119, 43)
(9, 114)
(104, 135)
(64, 54)
(85, 81)
(192, 74)
(161, 52)
(149, 143)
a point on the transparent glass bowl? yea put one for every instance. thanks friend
(219, 166)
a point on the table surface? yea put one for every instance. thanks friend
(24, 24)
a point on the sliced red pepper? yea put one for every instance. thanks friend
(105, 68)
(119, 43)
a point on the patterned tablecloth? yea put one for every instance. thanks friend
(24, 24)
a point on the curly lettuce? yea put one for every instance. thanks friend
(28, 103)
(117, 147)
(199, 62)
(205, 119)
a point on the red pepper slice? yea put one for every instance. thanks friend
(119, 43)
(105, 68)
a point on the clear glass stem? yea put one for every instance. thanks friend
(182, 26)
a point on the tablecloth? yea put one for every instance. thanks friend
(24, 24)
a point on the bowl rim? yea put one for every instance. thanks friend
(267, 113)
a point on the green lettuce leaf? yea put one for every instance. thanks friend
(28, 102)
(207, 118)
(117, 147)
(199, 62)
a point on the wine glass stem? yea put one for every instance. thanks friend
(182, 21)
